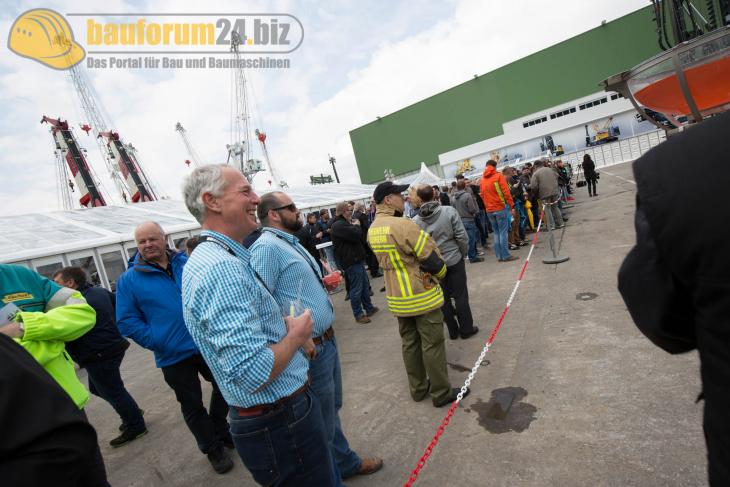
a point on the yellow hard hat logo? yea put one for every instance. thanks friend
(44, 35)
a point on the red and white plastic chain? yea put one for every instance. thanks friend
(444, 422)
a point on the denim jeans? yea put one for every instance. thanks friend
(210, 427)
(499, 220)
(326, 378)
(481, 222)
(471, 231)
(359, 289)
(106, 382)
(286, 446)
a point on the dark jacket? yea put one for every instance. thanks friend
(477, 197)
(307, 236)
(324, 227)
(46, 439)
(347, 241)
(675, 280)
(444, 198)
(589, 169)
(149, 309)
(104, 340)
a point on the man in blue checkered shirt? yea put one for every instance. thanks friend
(256, 355)
(292, 275)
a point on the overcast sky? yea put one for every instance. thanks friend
(358, 60)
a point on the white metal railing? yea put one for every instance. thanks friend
(624, 150)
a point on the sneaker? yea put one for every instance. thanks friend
(509, 259)
(219, 459)
(476, 259)
(480, 252)
(126, 437)
(513, 247)
(373, 311)
(123, 426)
(362, 319)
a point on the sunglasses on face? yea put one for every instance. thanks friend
(291, 207)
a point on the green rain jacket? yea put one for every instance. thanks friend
(51, 315)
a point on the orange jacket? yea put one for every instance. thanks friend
(494, 190)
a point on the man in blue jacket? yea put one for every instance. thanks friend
(101, 351)
(149, 311)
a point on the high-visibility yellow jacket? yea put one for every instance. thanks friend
(408, 256)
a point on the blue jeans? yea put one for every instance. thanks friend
(326, 378)
(286, 446)
(500, 224)
(106, 382)
(471, 231)
(359, 289)
(481, 222)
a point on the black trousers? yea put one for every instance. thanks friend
(591, 183)
(454, 287)
(210, 428)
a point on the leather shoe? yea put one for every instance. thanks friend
(476, 259)
(373, 311)
(451, 398)
(363, 319)
(370, 465)
(471, 333)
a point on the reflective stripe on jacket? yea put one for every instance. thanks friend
(407, 255)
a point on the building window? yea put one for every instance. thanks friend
(593, 103)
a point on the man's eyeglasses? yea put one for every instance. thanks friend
(291, 207)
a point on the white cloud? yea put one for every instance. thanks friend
(357, 61)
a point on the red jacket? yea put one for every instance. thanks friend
(495, 191)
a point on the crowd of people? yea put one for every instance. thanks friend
(276, 380)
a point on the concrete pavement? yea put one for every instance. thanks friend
(596, 403)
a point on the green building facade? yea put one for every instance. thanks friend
(475, 110)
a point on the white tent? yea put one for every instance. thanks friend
(423, 176)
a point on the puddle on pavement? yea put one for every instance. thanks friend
(519, 415)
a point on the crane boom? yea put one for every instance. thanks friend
(121, 162)
(194, 157)
(68, 148)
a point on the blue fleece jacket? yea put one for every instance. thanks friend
(149, 309)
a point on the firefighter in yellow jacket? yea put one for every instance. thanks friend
(413, 266)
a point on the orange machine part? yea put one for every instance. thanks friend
(709, 84)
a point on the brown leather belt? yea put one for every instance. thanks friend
(327, 335)
(265, 408)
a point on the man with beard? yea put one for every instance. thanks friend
(292, 276)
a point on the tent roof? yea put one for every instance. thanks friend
(36, 235)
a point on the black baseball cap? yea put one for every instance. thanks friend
(385, 188)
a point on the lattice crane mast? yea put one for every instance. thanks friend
(120, 158)
(239, 150)
(68, 153)
(195, 159)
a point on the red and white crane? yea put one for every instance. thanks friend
(121, 160)
(240, 150)
(69, 154)
(195, 159)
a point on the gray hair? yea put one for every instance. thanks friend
(205, 179)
